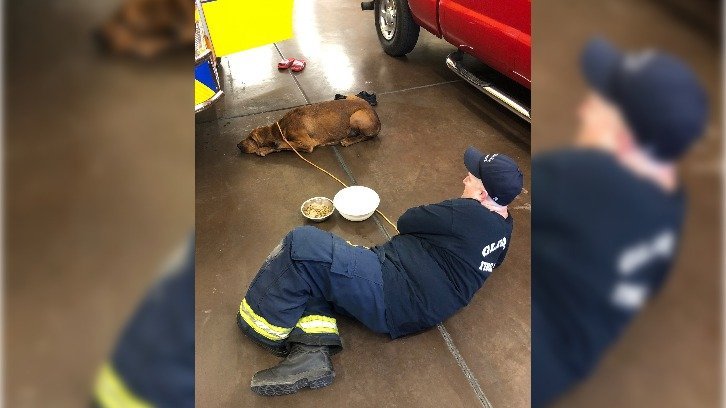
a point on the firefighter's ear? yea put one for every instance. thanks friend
(483, 194)
(483, 197)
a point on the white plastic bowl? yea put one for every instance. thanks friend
(356, 203)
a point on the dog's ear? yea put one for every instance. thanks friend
(264, 136)
(259, 136)
(270, 134)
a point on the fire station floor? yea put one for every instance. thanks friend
(245, 204)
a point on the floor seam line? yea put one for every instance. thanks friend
(252, 114)
(473, 382)
(344, 165)
(419, 87)
(294, 78)
(307, 100)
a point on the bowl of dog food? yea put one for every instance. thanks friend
(317, 209)
(356, 203)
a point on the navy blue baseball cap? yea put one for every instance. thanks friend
(658, 95)
(499, 174)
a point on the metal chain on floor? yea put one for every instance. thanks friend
(326, 172)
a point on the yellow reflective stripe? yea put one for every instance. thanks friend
(260, 325)
(319, 329)
(315, 324)
(313, 318)
(112, 392)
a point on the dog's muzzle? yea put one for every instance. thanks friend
(248, 146)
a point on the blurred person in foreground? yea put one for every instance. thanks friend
(608, 212)
(152, 364)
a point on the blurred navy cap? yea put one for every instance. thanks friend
(499, 174)
(658, 95)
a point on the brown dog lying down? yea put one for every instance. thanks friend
(147, 28)
(344, 121)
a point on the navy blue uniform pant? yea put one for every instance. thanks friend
(310, 276)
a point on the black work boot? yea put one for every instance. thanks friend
(305, 366)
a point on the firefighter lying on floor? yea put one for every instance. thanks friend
(443, 255)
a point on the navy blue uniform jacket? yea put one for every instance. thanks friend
(441, 257)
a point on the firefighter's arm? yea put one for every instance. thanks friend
(428, 219)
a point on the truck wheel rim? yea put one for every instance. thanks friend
(387, 18)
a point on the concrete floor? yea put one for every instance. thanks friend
(245, 203)
(670, 356)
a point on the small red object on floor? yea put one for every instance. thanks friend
(298, 65)
(286, 63)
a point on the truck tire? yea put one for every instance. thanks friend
(396, 29)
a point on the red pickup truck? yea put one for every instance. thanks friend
(496, 33)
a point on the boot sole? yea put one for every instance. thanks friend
(273, 390)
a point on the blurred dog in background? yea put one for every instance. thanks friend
(147, 28)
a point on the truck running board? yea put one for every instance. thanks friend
(453, 62)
